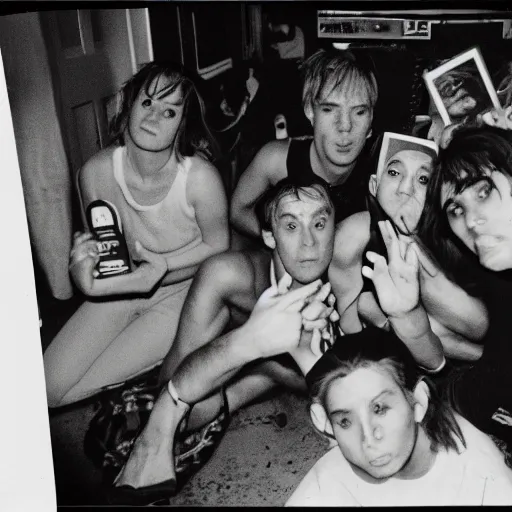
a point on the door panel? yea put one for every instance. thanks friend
(94, 53)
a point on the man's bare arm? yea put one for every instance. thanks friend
(352, 235)
(267, 168)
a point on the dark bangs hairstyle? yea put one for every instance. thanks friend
(470, 154)
(193, 135)
(385, 352)
(267, 204)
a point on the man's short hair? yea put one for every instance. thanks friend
(333, 69)
(268, 203)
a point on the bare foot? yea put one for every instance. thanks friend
(152, 459)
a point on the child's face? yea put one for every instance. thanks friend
(154, 120)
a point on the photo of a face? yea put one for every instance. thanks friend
(402, 176)
(461, 88)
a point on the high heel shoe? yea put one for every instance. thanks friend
(191, 452)
(129, 495)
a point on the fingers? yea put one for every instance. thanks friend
(411, 258)
(295, 299)
(267, 296)
(323, 293)
(380, 272)
(390, 239)
(284, 284)
(316, 310)
(424, 260)
(316, 338)
(311, 325)
(79, 238)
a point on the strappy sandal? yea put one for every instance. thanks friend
(190, 454)
(105, 224)
(197, 448)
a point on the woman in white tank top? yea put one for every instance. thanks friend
(170, 205)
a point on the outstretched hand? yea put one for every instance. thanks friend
(396, 281)
(276, 321)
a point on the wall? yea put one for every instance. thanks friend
(43, 165)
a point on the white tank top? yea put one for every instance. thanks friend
(169, 226)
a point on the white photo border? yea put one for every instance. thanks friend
(471, 54)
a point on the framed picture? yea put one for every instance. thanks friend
(394, 143)
(461, 87)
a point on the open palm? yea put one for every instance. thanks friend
(395, 281)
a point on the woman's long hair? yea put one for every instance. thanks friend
(193, 135)
(471, 152)
(389, 354)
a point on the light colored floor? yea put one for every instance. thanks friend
(258, 463)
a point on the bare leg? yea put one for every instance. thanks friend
(152, 458)
(204, 317)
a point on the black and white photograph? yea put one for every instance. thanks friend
(257, 254)
(462, 87)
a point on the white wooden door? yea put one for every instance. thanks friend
(94, 52)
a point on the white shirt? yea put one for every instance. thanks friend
(477, 476)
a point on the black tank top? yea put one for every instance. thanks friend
(348, 198)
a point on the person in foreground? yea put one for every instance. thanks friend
(398, 443)
(172, 210)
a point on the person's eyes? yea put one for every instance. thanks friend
(392, 172)
(361, 111)
(380, 409)
(454, 210)
(344, 423)
(146, 103)
(484, 190)
(320, 224)
(424, 179)
(326, 109)
(169, 113)
(291, 226)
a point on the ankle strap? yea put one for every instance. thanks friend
(173, 391)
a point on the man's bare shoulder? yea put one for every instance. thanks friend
(271, 159)
(351, 237)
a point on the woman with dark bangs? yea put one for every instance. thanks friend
(468, 226)
(168, 200)
(397, 443)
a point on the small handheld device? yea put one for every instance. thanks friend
(105, 224)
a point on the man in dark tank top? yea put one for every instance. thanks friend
(339, 96)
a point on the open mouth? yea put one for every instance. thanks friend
(148, 131)
(380, 461)
(486, 242)
(344, 148)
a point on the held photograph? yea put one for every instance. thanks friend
(461, 87)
